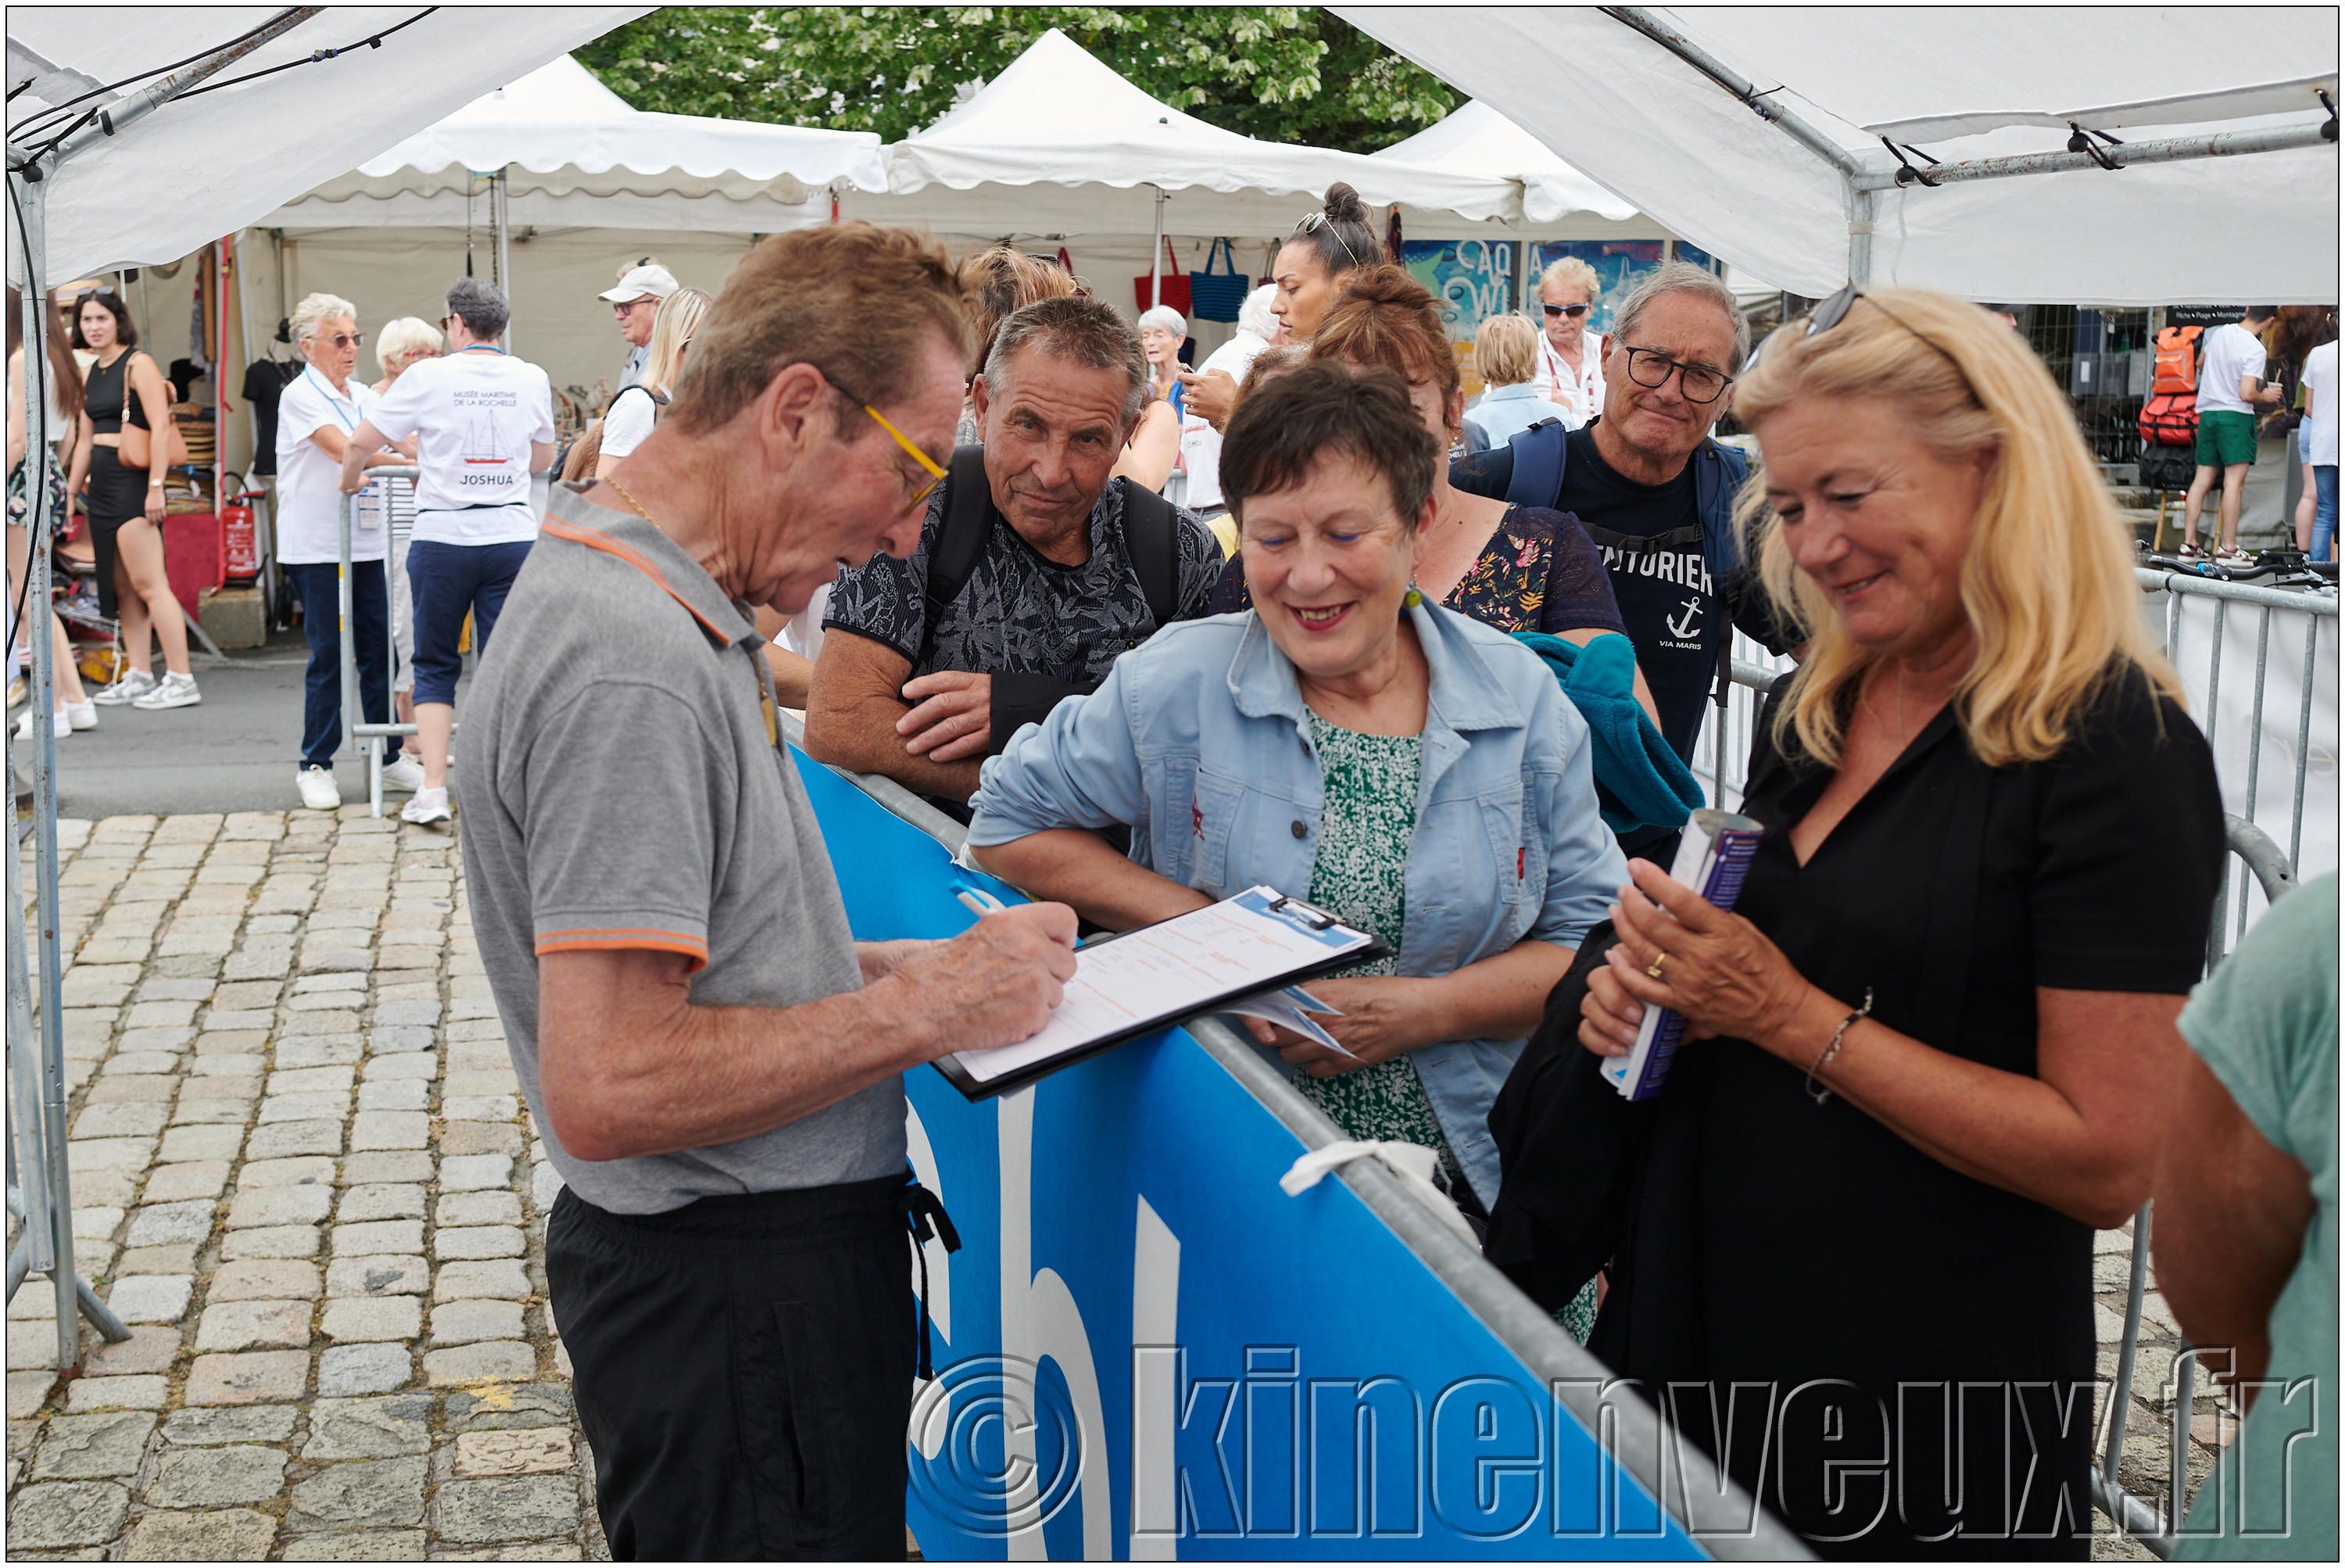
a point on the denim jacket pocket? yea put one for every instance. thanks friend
(1520, 865)
(1214, 805)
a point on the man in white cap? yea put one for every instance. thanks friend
(636, 301)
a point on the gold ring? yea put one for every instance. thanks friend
(1654, 972)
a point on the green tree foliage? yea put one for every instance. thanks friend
(1281, 73)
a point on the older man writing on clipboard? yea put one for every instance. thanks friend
(715, 1061)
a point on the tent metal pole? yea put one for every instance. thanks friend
(1792, 125)
(1860, 236)
(504, 250)
(116, 117)
(1156, 254)
(2228, 144)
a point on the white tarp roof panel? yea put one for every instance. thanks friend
(205, 165)
(1476, 139)
(1651, 128)
(561, 132)
(1058, 116)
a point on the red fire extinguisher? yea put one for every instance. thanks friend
(239, 544)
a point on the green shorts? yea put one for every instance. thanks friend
(2226, 437)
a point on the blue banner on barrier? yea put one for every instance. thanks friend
(1145, 1350)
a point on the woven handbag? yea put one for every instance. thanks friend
(1216, 296)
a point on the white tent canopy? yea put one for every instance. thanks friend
(1059, 144)
(576, 155)
(1656, 130)
(1476, 137)
(206, 164)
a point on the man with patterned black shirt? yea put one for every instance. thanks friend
(1033, 571)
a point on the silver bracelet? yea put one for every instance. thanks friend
(1833, 1050)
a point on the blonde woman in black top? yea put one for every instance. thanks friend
(124, 390)
(1935, 1038)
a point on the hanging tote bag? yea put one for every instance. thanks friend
(1216, 296)
(1176, 290)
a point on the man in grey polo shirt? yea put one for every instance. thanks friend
(715, 1061)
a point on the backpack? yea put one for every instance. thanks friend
(579, 459)
(968, 522)
(2169, 415)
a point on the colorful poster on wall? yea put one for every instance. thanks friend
(1617, 263)
(1471, 279)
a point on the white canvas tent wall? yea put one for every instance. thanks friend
(577, 155)
(590, 182)
(1614, 89)
(1476, 137)
(206, 165)
(1060, 146)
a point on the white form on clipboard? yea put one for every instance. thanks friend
(1255, 941)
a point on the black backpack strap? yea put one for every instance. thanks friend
(1148, 535)
(1538, 451)
(961, 540)
(1636, 544)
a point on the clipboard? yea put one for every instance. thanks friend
(1256, 905)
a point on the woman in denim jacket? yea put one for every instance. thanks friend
(1347, 741)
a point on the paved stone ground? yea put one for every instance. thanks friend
(302, 1171)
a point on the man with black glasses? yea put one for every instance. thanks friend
(1657, 494)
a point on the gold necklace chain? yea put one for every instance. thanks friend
(624, 494)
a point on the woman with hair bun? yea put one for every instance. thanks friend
(1313, 265)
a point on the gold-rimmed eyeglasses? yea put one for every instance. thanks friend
(917, 495)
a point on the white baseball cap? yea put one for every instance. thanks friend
(655, 280)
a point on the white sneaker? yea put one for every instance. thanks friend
(174, 691)
(81, 715)
(61, 725)
(403, 775)
(428, 806)
(319, 790)
(129, 687)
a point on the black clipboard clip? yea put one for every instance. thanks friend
(1316, 919)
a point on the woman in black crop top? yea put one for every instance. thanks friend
(125, 504)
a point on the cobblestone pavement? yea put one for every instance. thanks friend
(302, 1171)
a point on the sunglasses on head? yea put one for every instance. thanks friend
(1313, 222)
(1574, 312)
(1830, 312)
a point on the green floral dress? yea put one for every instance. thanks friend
(1370, 814)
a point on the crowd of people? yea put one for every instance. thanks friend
(1437, 671)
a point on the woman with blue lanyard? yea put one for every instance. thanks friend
(315, 417)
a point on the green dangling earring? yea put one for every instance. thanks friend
(1413, 597)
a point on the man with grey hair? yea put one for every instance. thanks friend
(1034, 569)
(1657, 494)
(483, 423)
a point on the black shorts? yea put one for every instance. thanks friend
(743, 1367)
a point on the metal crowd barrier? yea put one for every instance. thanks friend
(1577, 1380)
(358, 735)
